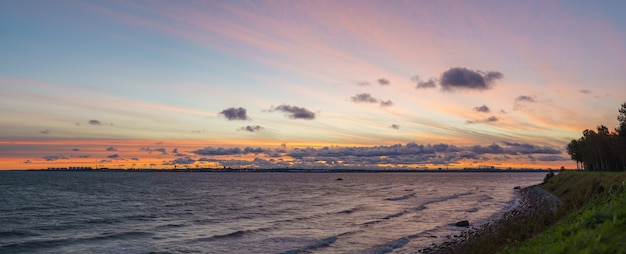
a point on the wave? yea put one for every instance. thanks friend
(394, 215)
(472, 210)
(321, 243)
(388, 217)
(389, 247)
(407, 196)
(12, 233)
(31, 246)
(442, 199)
(235, 234)
(348, 211)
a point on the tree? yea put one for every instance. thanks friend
(574, 149)
(621, 118)
(603, 150)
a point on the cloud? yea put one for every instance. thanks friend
(585, 91)
(114, 156)
(401, 155)
(76, 149)
(387, 103)
(552, 158)
(482, 109)
(177, 154)
(228, 151)
(395, 126)
(420, 84)
(521, 100)
(463, 79)
(249, 128)
(488, 120)
(150, 150)
(524, 148)
(110, 149)
(54, 157)
(95, 122)
(364, 97)
(84, 156)
(26, 162)
(525, 98)
(367, 98)
(383, 82)
(185, 160)
(295, 112)
(234, 113)
(363, 83)
(46, 131)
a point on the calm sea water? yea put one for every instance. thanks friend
(175, 212)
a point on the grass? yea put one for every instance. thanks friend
(592, 219)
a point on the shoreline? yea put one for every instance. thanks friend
(533, 202)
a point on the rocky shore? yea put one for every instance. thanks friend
(534, 203)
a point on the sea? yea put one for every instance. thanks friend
(246, 212)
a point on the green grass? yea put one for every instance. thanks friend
(599, 227)
(575, 188)
(593, 215)
(590, 220)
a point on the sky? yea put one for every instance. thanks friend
(306, 84)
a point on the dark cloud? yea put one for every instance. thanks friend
(185, 161)
(249, 128)
(84, 156)
(482, 109)
(295, 112)
(488, 120)
(585, 91)
(228, 151)
(45, 131)
(75, 149)
(110, 149)
(463, 79)
(364, 97)
(523, 148)
(421, 84)
(114, 156)
(383, 82)
(54, 157)
(552, 158)
(395, 126)
(177, 154)
(95, 122)
(525, 98)
(134, 158)
(150, 150)
(520, 102)
(408, 155)
(26, 162)
(387, 103)
(235, 113)
(363, 83)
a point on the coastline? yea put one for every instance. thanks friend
(534, 203)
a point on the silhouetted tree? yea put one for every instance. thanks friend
(602, 150)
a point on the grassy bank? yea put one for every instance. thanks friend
(591, 220)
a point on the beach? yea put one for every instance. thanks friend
(533, 203)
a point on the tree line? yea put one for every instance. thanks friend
(602, 149)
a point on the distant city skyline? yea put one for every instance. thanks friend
(306, 84)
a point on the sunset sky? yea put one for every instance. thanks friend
(306, 84)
